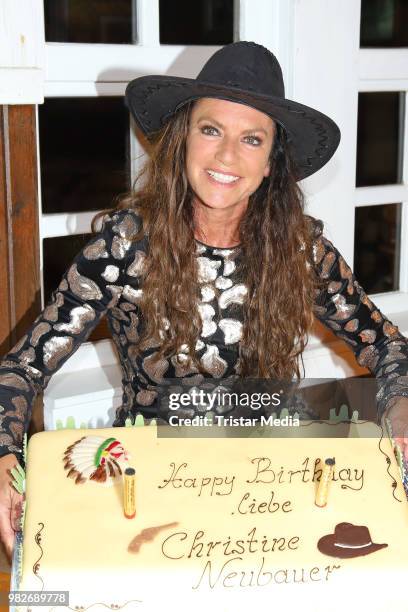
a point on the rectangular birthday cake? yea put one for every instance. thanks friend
(221, 524)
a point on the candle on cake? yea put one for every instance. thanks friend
(323, 488)
(129, 501)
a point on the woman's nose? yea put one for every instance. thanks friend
(227, 151)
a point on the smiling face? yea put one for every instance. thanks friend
(227, 153)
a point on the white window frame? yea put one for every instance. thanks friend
(387, 70)
(317, 44)
(331, 30)
(91, 70)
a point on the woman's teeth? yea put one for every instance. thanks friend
(223, 178)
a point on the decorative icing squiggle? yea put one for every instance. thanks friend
(97, 603)
(388, 460)
(344, 486)
(36, 566)
(394, 483)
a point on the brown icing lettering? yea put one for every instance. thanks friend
(181, 535)
(265, 474)
(302, 575)
(292, 473)
(212, 485)
(246, 580)
(261, 573)
(284, 574)
(212, 545)
(240, 548)
(293, 542)
(249, 578)
(173, 480)
(229, 575)
(317, 472)
(252, 541)
(226, 561)
(181, 545)
(313, 571)
(198, 546)
(264, 544)
(329, 569)
(271, 506)
(262, 465)
(347, 474)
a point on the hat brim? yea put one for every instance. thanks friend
(312, 136)
(326, 545)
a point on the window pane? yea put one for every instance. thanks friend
(380, 138)
(84, 153)
(89, 21)
(202, 22)
(377, 247)
(58, 254)
(384, 23)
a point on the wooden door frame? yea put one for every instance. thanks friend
(19, 231)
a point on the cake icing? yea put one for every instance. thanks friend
(95, 458)
(221, 523)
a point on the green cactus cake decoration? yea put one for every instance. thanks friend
(18, 481)
(139, 421)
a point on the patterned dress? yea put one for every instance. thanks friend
(103, 280)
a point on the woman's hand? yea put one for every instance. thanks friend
(10, 504)
(398, 415)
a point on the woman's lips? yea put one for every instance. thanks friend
(214, 181)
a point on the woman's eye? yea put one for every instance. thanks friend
(209, 129)
(254, 140)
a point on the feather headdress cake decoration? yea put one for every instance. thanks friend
(95, 458)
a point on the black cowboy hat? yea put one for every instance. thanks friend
(247, 73)
(348, 541)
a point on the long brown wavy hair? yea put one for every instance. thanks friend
(276, 240)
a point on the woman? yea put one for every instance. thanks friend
(210, 269)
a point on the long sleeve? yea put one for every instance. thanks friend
(91, 285)
(344, 307)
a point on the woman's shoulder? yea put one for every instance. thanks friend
(121, 235)
(324, 251)
(316, 227)
(125, 222)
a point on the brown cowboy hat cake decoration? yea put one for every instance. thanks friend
(348, 541)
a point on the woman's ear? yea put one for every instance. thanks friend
(267, 170)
